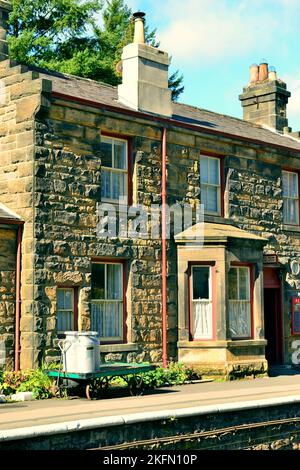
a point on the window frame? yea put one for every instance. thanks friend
(74, 289)
(296, 172)
(122, 262)
(251, 292)
(221, 186)
(128, 180)
(202, 264)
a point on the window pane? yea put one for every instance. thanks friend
(64, 320)
(60, 299)
(120, 155)
(212, 199)
(204, 169)
(202, 320)
(240, 319)
(200, 282)
(68, 299)
(98, 281)
(285, 183)
(106, 152)
(232, 283)
(204, 197)
(114, 282)
(214, 172)
(118, 185)
(105, 184)
(106, 318)
(244, 284)
(291, 211)
(293, 185)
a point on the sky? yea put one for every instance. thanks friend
(213, 43)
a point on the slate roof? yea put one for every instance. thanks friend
(7, 214)
(100, 93)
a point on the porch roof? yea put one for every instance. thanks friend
(8, 215)
(215, 232)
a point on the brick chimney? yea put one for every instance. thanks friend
(265, 98)
(145, 75)
(5, 9)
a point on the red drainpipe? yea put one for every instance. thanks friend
(164, 245)
(18, 299)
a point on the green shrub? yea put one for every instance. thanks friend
(174, 374)
(39, 383)
(35, 381)
(12, 381)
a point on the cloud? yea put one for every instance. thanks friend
(212, 30)
(293, 85)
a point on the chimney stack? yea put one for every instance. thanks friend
(145, 75)
(264, 99)
(5, 9)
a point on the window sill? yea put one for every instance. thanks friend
(217, 219)
(112, 348)
(290, 228)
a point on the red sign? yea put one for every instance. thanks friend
(296, 315)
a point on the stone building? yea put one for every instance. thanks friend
(68, 144)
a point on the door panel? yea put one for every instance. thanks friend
(273, 326)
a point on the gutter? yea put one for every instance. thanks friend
(18, 298)
(164, 246)
(168, 121)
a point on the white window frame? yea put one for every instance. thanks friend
(62, 311)
(239, 301)
(218, 187)
(210, 328)
(293, 198)
(110, 139)
(95, 302)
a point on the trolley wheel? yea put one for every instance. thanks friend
(136, 386)
(95, 387)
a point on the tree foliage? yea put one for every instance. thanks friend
(83, 38)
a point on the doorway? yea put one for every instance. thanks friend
(273, 316)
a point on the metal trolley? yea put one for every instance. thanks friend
(94, 383)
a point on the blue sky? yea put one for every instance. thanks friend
(213, 43)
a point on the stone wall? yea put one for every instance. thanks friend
(7, 296)
(20, 101)
(68, 186)
(256, 204)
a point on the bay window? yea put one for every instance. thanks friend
(114, 169)
(201, 303)
(290, 189)
(239, 302)
(107, 301)
(210, 182)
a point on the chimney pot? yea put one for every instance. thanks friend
(263, 71)
(139, 28)
(253, 73)
(272, 73)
